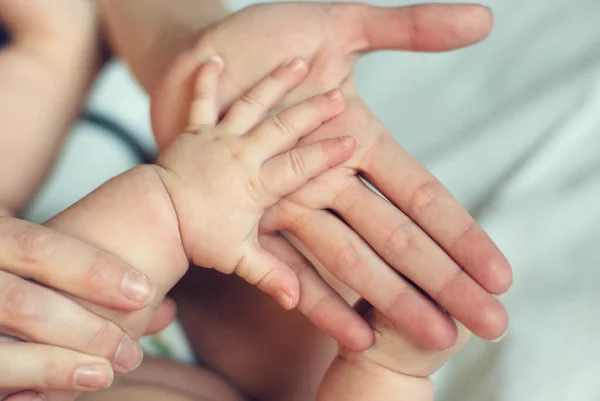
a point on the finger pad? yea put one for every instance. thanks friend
(478, 310)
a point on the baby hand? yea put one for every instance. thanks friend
(394, 368)
(223, 175)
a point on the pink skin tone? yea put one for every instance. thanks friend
(159, 218)
(423, 232)
(440, 27)
(45, 72)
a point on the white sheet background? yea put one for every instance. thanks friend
(512, 127)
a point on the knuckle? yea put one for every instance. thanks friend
(32, 244)
(348, 260)
(413, 30)
(400, 240)
(250, 98)
(297, 163)
(265, 282)
(240, 269)
(104, 339)
(396, 307)
(301, 266)
(460, 238)
(448, 284)
(346, 196)
(425, 195)
(283, 125)
(103, 270)
(344, 199)
(23, 302)
(317, 308)
(299, 221)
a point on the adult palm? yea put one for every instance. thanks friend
(363, 239)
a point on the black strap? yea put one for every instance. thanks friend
(4, 36)
(115, 129)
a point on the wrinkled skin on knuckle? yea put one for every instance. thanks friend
(297, 163)
(347, 260)
(23, 303)
(426, 195)
(104, 339)
(32, 245)
(102, 271)
(283, 125)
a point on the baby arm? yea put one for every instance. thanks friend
(204, 200)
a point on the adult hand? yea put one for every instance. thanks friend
(68, 347)
(47, 67)
(422, 232)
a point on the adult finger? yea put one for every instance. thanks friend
(350, 259)
(408, 249)
(417, 193)
(424, 27)
(163, 316)
(68, 264)
(318, 301)
(31, 312)
(45, 367)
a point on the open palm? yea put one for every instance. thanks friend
(361, 238)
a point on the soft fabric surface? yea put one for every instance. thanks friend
(512, 127)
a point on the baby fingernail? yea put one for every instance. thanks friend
(218, 61)
(39, 398)
(346, 141)
(93, 377)
(129, 355)
(284, 299)
(295, 64)
(136, 287)
(334, 94)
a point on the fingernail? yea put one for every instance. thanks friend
(334, 94)
(39, 398)
(295, 64)
(505, 293)
(217, 61)
(129, 355)
(136, 287)
(284, 299)
(93, 377)
(502, 337)
(346, 141)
